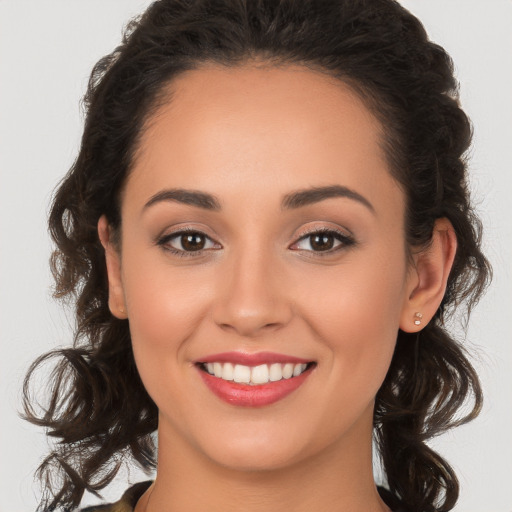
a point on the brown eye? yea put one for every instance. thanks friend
(186, 243)
(193, 241)
(322, 241)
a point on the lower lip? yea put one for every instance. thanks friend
(252, 396)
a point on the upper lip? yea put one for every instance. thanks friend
(255, 359)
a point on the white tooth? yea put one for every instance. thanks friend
(217, 369)
(303, 367)
(259, 374)
(287, 370)
(242, 373)
(209, 367)
(297, 370)
(276, 372)
(227, 371)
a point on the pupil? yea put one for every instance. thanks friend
(192, 242)
(322, 242)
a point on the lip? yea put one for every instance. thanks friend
(251, 359)
(258, 395)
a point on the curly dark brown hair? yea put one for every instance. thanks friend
(379, 49)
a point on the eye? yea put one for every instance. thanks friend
(187, 242)
(323, 241)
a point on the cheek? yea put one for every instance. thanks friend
(164, 308)
(164, 304)
(358, 320)
(360, 294)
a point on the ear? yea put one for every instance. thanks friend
(116, 302)
(427, 279)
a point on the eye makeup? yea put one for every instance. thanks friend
(192, 242)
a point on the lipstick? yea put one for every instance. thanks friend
(253, 380)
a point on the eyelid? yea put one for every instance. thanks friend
(325, 229)
(164, 239)
(345, 237)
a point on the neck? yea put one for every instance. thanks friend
(339, 478)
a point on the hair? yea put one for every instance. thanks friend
(380, 50)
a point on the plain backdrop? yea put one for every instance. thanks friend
(47, 49)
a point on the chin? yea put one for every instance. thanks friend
(246, 459)
(259, 450)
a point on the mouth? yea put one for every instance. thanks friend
(253, 380)
(255, 375)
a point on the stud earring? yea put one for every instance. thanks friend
(417, 318)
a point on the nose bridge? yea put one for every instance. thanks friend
(251, 294)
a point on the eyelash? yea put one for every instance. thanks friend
(345, 239)
(163, 241)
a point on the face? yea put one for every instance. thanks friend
(263, 234)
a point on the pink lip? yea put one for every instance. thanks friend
(251, 359)
(245, 395)
(252, 396)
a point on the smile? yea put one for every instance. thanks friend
(255, 375)
(253, 380)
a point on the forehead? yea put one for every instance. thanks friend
(223, 128)
(260, 99)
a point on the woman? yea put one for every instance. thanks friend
(265, 226)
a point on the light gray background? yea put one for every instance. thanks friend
(47, 49)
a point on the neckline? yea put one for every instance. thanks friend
(135, 492)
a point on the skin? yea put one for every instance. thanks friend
(250, 136)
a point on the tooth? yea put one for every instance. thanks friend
(242, 374)
(227, 371)
(259, 374)
(275, 372)
(287, 370)
(217, 369)
(297, 370)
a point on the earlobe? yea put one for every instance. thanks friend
(116, 301)
(428, 278)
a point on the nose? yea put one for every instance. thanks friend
(252, 296)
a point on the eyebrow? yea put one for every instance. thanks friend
(290, 201)
(316, 194)
(189, 197)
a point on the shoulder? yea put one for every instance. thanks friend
(126, 503)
